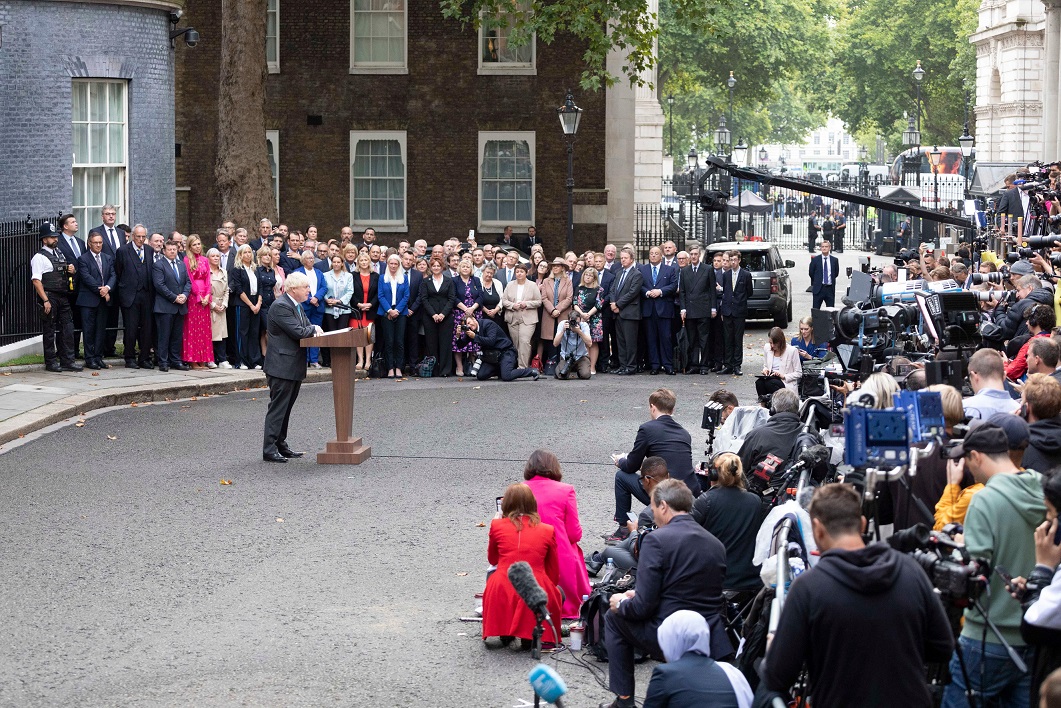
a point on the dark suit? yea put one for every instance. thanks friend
(412, 326)
(1009, 204)
(696, 298)
(94, 309)
(823, 293)
(680, 567)
(663, 437)
(110, 247)
(715, 337)
(736, 289)
(492, 336)
(502, 277)
(247, 333)
(169, 315)
(71, 255)
(626, 295)
(692, 681)
(657, 313)
(609, 348)
(285, 368)
(439, 335)
(136, 299)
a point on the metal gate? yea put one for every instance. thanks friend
(19, 240)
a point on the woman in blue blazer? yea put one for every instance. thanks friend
(393, 295)
(314, 306)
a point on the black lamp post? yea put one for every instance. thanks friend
(933, 159)
(670, 108)
(693, 160)
(570, 115)
(912, 141)
(731, 83)
(919, 74)
(740, 155)
(966, 141)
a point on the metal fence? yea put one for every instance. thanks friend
(19, 240)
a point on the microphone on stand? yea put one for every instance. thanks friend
(526, 586)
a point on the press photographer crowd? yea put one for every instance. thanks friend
(879, 528)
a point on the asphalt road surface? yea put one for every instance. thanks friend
(131, 576)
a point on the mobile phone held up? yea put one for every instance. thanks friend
(497, 501)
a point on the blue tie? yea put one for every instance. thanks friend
(655, 274)
(176, 273)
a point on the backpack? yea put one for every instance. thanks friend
(591, 616)
(426, 367)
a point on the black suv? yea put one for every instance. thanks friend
(771, 286)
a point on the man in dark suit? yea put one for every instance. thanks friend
(172, 289)
(412, 325)
(530, 240)
(1012, 205)
(285, 364)
(607, 356)
(507, 239)
(823, 271)
(715, 343)
(662, 436)
(625, 304)
(113, 239)
(659, 283)
(696, 293)
(736, 289)
(72, 248)
(95, 269)
(133, 266)
(507, 274)
(680, 567)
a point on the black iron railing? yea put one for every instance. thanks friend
(19, 240)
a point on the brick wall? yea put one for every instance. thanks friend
(46, 45)
(442, 103)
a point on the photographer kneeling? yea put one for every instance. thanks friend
(497, 355)
(573, 338)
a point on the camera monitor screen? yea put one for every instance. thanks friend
(861, 286)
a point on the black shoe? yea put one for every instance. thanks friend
(624, 372)
(724, 370)
(102, 364)
(654, 372)
(536, 375)
(72, 367)
(289, 453)
(54, 368)
(593, 565)
(705, 371)
(669, 372)
(619, 703)
(182, 367)
(91, 364)
(145, 365)
(131, 364)
(162, 368)
(690, 371)
(273, 457)
(738, 372)
(717, 368)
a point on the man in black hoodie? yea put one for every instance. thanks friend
(864, 619)
(777, 436)
(1042, 405)
(1030, 292)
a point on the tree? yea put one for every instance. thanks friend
(242, 168)
(603, 25)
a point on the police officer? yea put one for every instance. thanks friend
(53, 281)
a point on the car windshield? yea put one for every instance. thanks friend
(755, 260)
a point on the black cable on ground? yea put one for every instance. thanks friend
(481, 459)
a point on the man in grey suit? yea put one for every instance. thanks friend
(285, 364)
(625, 300)
(696, 295)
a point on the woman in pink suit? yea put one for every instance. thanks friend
(557, 507)
(198, 332)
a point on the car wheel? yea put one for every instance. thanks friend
(782, 319)
(789, 310)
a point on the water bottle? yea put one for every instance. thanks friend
(609, 572)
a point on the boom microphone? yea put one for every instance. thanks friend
(815, 455)
(548, 684)
(526, 586)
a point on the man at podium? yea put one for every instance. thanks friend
(285, 364)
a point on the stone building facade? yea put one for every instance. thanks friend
(86, 110)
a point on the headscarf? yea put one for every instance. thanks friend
(685, 631)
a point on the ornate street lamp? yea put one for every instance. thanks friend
(740, 155)
(934, 158)
(570, 115)
(966, 141)
(722, 137)
(763, 155)
(919, 75)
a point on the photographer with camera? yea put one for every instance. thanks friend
(857, 592)
(1039, 320)
(1030, 292)
(999, 526)
(497, 356)
(624, 553)
(778, 436)
(573, 338)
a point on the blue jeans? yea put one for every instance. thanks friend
(1004, 684)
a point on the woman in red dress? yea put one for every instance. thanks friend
(519, 535)
(198, 348)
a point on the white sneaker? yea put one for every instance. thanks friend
(258, 367)
(244, 367)
(211, 365)
(224, 365)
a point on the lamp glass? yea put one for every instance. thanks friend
(722, 136)
(693, 159)
(919, 73)
(569, 115)
(935, 156)
(740, 153)
(763, 155)
(966, 142)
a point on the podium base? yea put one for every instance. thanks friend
(348, 452)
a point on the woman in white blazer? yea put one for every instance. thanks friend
(521, 300)
(781, 368)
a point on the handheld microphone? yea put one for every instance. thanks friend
(526, 586)
(548, 684)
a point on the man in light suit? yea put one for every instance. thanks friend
(95, 269)
(625, 304)
(697, 301)
(823, 271)
(113, 239)
(285, 364)
(658, 286)
(172, 290)
(133, 266)
(736, 289)
(72, 248)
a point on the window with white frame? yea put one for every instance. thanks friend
(378, 36)
(378, 180)
(272, 149)
(506, 180)
(272, 36)
(100, 164)
(497, 54)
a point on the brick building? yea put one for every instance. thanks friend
(385, 114)
(86, 110)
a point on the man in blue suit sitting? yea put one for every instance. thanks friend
(658, 285)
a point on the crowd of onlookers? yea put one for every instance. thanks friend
(194, 302)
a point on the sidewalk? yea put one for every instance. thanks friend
(32, 398)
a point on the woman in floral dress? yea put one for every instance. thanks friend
(588, 303)
(469, 300)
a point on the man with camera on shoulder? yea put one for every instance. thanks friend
(857, 593)
(497, 356)
(573, 338)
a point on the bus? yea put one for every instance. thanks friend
(948, 180)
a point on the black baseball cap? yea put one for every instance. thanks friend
(47, 230)
(988, 438)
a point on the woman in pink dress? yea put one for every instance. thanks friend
(198, 337)
(558, 508)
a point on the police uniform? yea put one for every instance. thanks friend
(49, 266)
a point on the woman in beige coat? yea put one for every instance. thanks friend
(218, 307)
(521, 301)
(556, 301)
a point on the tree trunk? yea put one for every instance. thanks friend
(242, 168)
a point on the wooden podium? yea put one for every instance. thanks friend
(344, 449)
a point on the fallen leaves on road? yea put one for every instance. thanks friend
(133, 405)
(480, 525)
(226, 482)
(112, 437)
(583, 401)
(95, 373)
(255, 398)
(461, 575)
(79, 424)
(476, 388)
(279, 520)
